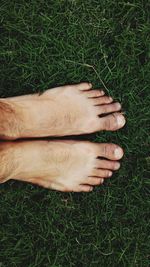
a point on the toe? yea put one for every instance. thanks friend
(84, 188)
(107, 164)
(95, 180)
(110, 151)
(102, 100)
(94, 93)
(101, 173)
(112, 122)
(104, 109)
(83, 86)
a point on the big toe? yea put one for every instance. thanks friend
(112, 122)
(109, 151)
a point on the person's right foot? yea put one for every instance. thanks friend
(63, 111)
(60, 165)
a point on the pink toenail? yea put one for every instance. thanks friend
(117, 166)
(120, 120)
(118, 152)
(110, 174)
(118, 105)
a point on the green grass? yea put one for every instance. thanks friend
(49, 43)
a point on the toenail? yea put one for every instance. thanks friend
(118, 105)
(110, 174)
(117, 166)
(102, 180)
(118, 152)
(120, 120)
(110, 98)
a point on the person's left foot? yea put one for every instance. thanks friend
(63, 111)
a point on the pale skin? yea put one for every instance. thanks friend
(59, 165)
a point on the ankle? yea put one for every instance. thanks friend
(10, 122)
(8, 163)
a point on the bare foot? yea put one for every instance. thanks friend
(62, 111)
(59, 165)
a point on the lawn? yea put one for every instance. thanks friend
(48, 43)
